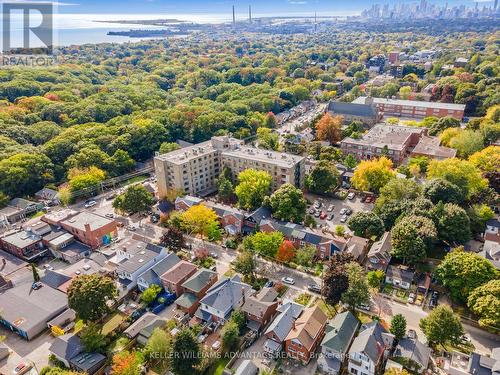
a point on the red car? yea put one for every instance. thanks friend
(323, 215)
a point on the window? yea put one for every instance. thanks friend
(354, 371)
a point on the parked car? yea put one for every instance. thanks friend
(131, 228)
(269, 284)
(434, 299)
(317, 204)
(322, 216)
(109, 215)
(351, 196)
(330, 208)
(314, 288)
(348, 211)
(343, 211)
(37, 285)
(311, 211)
(216, 345)
(365, 306)
(111, 196)
(22, 368)
(89, 204)
(288, 280)
(213, 254)
(329, 217)
(317, 214)
(343, 219)
(412, 334)
(369, 199)
(411, 298)
(202, 338)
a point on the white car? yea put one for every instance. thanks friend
(216, 345)
(351, 196)
(343, 219)
(288, 280)
(90, 204)
(343, 211)
(411, 298)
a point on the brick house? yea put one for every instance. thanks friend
(260, 308)
(173, 279)
(184, 203)
(194, 289)
(306, 334)
(279, 328)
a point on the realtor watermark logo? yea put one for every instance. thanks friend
(27, 34)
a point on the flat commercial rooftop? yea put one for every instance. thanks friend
(412, 103)
(79, 220)
(392, 136)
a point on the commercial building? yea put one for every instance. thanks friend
(413, 108)
(395, 142)
(365, 113)
(195, 169)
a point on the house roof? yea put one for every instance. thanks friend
(26, 308)
(308, 326)
(400, 273)
(381, 248)
(199, 280)
(155, 272)
(79, 221)
(141, 323)
(54, 279)
(283, 323)
(188, 200)
(352, 109)
(267, 294)
(66, 346)
(340, 332)
(255, 306)
(138, 254)
(46, 193)
(225, 293)
(356, 245)
(414, 350)
(370, 341)
(186, 300)
(178, 272)
(22, 203)
(247, 367)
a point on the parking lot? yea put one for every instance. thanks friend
(333, 207)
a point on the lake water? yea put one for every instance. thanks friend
(71, 29)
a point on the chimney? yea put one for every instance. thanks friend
(87, 228)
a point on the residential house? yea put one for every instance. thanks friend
(339, 334)
(231, 219)
(357, 247)
(26, 311)
(368, 349)
(306, 334)
(414, 352)
(48, 195)
(279, 328)
(491, 247)
(173, 279)
(474, 364)
(194, 289)
(70, 350)
(28, 207)
(379, 256)
(399, 276)
(153, 274)
(24, 244)
(64, 246)
(186, 202)
(222, 298)
(260, 308)
(133, 258)
(143, 327)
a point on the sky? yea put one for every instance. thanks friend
(260, 7)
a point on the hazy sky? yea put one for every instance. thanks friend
(218, 6)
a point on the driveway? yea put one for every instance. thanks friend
(255, 353)
(355, 205)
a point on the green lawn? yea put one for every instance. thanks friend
(327, 309)
(112, 323)
(303, 299)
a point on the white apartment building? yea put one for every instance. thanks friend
(195, 169)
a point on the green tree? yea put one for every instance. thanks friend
(4, 199)
(461, 272)
(467, 142)
(398, 189)
(173, 239)
(335, 278)
(246, 264)
(82, 179)
(252, 188)
(357, 292)
(442, 124)
(89, 295)
(479, 214)
(442, 326)
(36, 276)
(267, 139)
(150, 294)
(167, 147)
(230, 336)
(120, 163)
(288, 203)
(186, 353)
(411, 237)
(264, 243)
(127, 363)
(366, 224)
(440, 190)
(92, 338)
(135, 199)
(398, 326)
(158, 350)
(323, 178)
(304, 256)
(484, 301)
(199, 219)
(453, 224)
(226, 190)
(375, 278)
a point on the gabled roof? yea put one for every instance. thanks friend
(178, 272)
(258, 305)
(199, 280)
(267, 294)
(283, 323)
(186, 300)
(160, 268)
(370, 341)
(400, 273)
(414, 350)
(54, 279)
(66, 346)
(381, 248)
(144, 321)
(225, 293)
(188, 200)
(340, 332)
(308, 326)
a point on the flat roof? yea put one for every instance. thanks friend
(25, 308)
(188, 153)
(22, 238)
(79, 220)
(392, 136)
(432, 146)
(413, 103)
(266, 156)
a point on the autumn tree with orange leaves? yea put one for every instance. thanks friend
(127, 363)
(328, 128)
(286, 252)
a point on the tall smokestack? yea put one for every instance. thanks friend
(315, 22)
(250, 13)
(234, 17)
